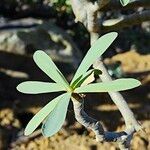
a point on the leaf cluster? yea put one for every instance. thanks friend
(54, 113)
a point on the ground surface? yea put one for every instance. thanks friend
(15, 115)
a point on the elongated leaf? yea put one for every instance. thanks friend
(56, 118)
(76, 81)
(111, 22)
(41, 115)
(97, 49)
(88, 80)
(89, 77)
(82, 78)
(112, 86)
(46, 64)
(124, 2)
(85, 76)
(37, 87)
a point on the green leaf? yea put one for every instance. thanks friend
(124, 2)
(111, 86)
(56, 118)
(88, 80)
(85, 76)
(76, 81)
(97, 49)
(37, 87)
(46, 64)
(41, 115)
(81, 79)
(97, 72)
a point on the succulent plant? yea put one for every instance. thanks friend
(54, 113)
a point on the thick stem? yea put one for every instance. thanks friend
(122, 138)
(127, 21)
(118, 99)
(131, 123)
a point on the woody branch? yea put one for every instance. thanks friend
(87, 13)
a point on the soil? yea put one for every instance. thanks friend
(15, 114)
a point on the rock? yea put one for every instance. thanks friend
(46, 36)
(11, 43)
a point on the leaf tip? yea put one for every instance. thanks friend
(26, 132)
(115, 34)
(111, 36)
(137, 82)
(21, 88)
(134, 83)
(37, 53)
(18, 87)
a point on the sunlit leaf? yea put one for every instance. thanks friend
(56, 118)
(41, 115)
(37, 87)
(86, 77)
(111, 86)
(76, 81)
(82, 78)
(46, 64)
(97, 49)
(111, 22)
(124, 2)
(89, 79)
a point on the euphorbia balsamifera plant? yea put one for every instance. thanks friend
(54, 113)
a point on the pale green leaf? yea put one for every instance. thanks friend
(110, 86)
(41, 115)
(37, 87)
(85, 76)
(97, 72)
(124, 2)
(97, 49)
(46, 64)
(56, 118)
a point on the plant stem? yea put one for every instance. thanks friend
(122, 138)
(87, 14)
(116, 97)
